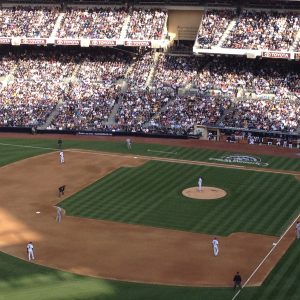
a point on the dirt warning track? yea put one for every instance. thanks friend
(109, 249)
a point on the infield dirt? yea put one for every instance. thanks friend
(109, 249)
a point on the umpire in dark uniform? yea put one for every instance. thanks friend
(61, 190)
(237, 279)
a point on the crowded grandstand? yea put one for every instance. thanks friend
(112, 69)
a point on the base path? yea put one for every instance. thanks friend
(109, 249)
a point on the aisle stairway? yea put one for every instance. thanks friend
(8, 78)
(226, 33)
(152, 71)
(52, 116)
(56, 26)
(296, 41)
(124, 28)
(55, 111)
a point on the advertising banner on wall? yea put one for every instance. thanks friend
(4, 40)
(33, 41)
(138, 43)
(276, 54)
(67, 42)
(103, 42)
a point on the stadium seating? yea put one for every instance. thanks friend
(104, 89)
(146, 24)
(213, 26)
(22, 21)
(264, 30)
(100, 23)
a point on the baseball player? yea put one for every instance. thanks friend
(215, 244)
(30, 251)
(200, 184)
(61, 190)
(298, 230)
(62, 157)
(58, 214)
(128, 143)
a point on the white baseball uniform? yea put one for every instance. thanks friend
(58, 214)
(128, 143)
(30, 251)
(200, 184)
(62, 157)
(215, 243)
(298, 230)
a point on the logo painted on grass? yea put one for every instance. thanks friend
(241, 159)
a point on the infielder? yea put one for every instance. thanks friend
(61, 190)
(215, 244)
(62, 157)
(128, 143)
(30, 251)
(200, 184)
(298, 230)
(58, 214)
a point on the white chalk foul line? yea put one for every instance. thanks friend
(158, 151)
(266, 257)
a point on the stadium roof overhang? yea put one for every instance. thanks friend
(292, 4)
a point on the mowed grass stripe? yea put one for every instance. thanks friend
(151, 195)
(91, 193)
(258, 210)
(236, 199)
(157, 187)
(250, 210)
(281, 211)
(272, 221)
(248, 203)
(283, 163)
(153, 199)
(239, 203)
(136, 192)
(262, 208)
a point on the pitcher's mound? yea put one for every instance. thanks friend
(207, 193)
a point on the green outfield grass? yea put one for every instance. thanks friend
(22, 280)
(196, 154)
(152, 195)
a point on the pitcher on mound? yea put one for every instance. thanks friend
(200, 184)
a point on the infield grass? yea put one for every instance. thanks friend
(151, 195)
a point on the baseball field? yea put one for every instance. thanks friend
(129, 232)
